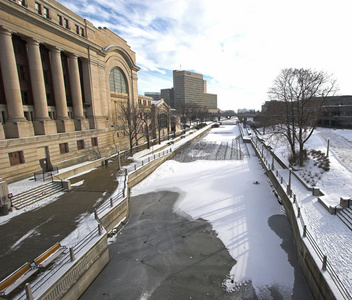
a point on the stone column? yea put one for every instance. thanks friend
(63, 123)
(42, 123)
(76, 91)
(16, 125)
(80, 121)
(37, 80)
(10, 78)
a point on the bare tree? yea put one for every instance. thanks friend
(185, 112)
(132, 125)
(302, 92)
(147, 125)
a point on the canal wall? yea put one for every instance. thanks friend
(307, 257)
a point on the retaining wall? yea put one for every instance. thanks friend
(76, 280)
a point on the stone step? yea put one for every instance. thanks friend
(36, 194)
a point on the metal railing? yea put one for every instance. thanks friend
(43, 175)
(326, 265)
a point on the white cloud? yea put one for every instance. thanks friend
(242, 45)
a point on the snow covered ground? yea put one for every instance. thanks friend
(333, 237)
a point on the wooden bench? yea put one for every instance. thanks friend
(49, 255)
(16, 278)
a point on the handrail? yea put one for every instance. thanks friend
(52, 179)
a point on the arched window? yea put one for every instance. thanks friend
(117, 81)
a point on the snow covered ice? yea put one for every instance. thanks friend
(223, 193)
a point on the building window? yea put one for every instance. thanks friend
(22, 2)
(46, 13)
(80, 144)
(64, 148)
(82, 32)
(94, 141)
(66, 24)
(117, 81)
(38, 8)
(60, 20)
(77, 29)
(16, 158)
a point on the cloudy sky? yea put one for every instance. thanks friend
(239, 46)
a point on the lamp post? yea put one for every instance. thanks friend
(327, 150)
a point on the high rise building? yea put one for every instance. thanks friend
(191, 88)
(188, 88)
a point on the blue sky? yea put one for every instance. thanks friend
(239, 46)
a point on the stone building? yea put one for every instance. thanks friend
(61, 82)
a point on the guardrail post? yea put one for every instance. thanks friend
(72, 254)
(299, 212)
(304, 230)
(29, 291)
(142, 163)
(95, 214)
(111, 202)
(100, 229)
(135, 167)
(294, 198)
(325, 259)
(277, 173)
(154, 156)
(272, 163)
(281, 179)
(148, 159)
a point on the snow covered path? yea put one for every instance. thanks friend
(339, 144)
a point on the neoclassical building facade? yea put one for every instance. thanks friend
(61, 83)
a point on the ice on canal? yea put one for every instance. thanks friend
(223, 192)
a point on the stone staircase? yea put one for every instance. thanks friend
(345, 216)
(36, 194)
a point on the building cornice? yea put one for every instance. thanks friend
(32, 17)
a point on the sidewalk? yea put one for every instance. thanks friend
(29, 234)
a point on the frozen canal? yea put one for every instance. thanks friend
(201, 228)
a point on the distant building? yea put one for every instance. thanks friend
(168, 96)
(210, 102)
(155, 95)
(337, 112)
(190, 88)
